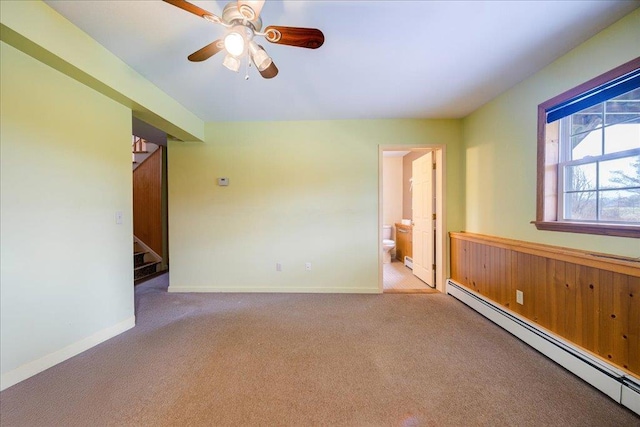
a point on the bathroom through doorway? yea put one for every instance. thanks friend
(411, 216)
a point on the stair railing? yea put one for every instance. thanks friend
(139, 145)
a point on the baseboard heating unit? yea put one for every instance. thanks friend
(615, 383)
(408, 262)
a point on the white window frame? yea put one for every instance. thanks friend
(564, 161)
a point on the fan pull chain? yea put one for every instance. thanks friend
(246, 75)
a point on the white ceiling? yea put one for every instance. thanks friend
(380, 59)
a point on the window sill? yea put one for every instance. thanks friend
(586, 228)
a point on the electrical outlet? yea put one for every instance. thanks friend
(307, 266)
(520, 297)
(278, 266)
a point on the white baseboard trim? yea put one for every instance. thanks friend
(605, 377)
(212, 289)
(34, 367)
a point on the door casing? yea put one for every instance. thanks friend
(442, 259)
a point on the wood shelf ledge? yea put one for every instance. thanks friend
(604, 261)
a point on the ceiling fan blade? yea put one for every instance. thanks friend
(255, 8)
(207, 52)
(185, 5)
(311, 38)
(270, 72)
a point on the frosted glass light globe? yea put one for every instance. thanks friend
(234, 43)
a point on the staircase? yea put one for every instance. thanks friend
(143, 265)
(149, 203)
(140, 150)
(147, 182)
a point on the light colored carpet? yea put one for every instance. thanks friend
(397, 277)
(307, 360)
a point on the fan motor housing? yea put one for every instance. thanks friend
(231, 15)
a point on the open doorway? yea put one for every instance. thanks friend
(411, 218)
(150, 196)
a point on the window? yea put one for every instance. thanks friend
(589, 156)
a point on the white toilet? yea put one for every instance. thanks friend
(387, 244)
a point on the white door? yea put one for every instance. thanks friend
(422, 204)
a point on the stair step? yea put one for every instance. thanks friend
(140, 152)
(147, 264)
(145, 269)
(138, 258)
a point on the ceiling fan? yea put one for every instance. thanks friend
(243, 22)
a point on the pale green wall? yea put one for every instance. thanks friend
(38, 30)
(500, 144)
(66, 267)
(299, 191)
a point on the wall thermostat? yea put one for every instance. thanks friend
(223, 181)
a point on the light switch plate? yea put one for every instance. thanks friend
(223, 182)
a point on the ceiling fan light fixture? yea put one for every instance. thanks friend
(231, 62)
(234, 43)
(259, 56)
(242, 20)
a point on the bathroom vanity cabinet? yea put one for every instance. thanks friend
(404, 241)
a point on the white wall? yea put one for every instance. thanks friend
(66, 279)
(392, 190)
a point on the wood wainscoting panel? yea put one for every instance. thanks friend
(604, 317)
(571, 310)
(556, 279)
(591, 300)
(587, 307)
(632, 337)
(500, 272)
